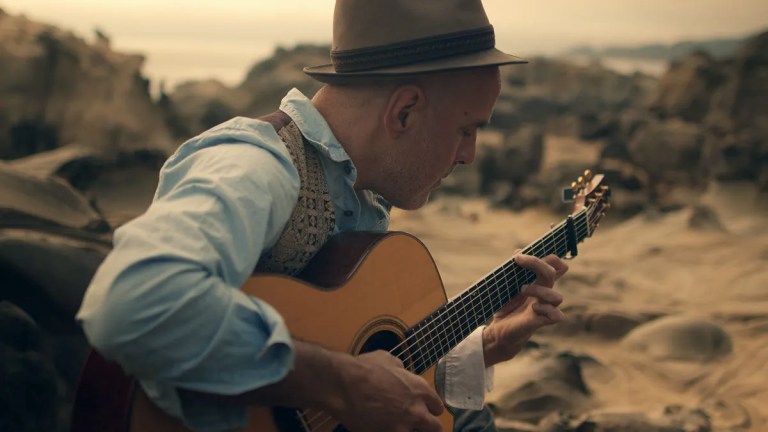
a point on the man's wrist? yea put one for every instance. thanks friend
(490, 343)
(334, 377)
(496, 350)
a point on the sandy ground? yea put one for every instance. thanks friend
(692, 303)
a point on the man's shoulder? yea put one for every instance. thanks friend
(238, 130)
(241, 130)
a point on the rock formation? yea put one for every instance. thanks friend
(200, 105)
(58, 90)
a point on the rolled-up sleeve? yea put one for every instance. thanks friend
(462, 378)
(166, 302)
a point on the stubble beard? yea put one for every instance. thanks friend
(401, 186)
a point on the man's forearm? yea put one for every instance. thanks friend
(370, 392)
(316, 380)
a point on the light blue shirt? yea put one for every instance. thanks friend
(166, 302)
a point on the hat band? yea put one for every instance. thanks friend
(415, 50)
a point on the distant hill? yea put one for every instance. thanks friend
(715, 47)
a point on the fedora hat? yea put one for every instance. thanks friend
(387, 38)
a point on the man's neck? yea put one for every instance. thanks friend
(353, 124)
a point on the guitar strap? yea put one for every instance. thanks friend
(313, 219)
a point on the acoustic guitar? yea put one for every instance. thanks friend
(361, 292)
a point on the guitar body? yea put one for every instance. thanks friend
(360, 293)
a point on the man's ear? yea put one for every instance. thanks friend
(405, 105)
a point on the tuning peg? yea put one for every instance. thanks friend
(588, 174)
(574, 186)
(580, 181)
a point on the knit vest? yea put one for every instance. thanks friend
(313, 219)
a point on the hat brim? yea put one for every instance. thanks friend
(492, 57)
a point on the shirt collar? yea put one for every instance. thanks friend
(312, 125)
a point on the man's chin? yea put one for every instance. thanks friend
(413, 203)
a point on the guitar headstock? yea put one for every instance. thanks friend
(589, 192)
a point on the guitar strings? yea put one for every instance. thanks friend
(581, 230)
(492, 279)
(546, 240)
(494, 284)
(491, 283)
(553, 239)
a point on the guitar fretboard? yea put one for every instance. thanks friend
(436, 335)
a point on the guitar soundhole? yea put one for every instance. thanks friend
(289, 419)
(382, 340)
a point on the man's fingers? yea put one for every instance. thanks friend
(552, 313)
(433, 401)
(545, 273)
(383, 358)
(545, 294)
(429, 423)
(559, 265)
(511, 306)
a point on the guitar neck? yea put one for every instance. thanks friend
(440, 332)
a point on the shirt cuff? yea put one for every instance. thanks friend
(462, 378)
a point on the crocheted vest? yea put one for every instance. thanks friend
(313, 219)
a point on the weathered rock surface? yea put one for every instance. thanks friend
(58, 89)
(686, 90)
(199, 105)
(707, 121)
(37, 389)
(118, 185)
(538, 382)
(568, 99)
(680, 338)
(28, 201)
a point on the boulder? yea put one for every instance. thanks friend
(46, 274)
(680, 338)
(29, 201)
(519, 157)
(537, 382)
(686, 90)
(569, 99)
(669, 150)
(57, 89)
(742, 96)
(119, 185)
(36, 395)
(198, 105)
(704, 218)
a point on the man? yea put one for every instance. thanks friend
(411, 84)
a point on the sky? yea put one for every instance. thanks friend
(197, 39)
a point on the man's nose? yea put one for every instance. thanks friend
(466, 153)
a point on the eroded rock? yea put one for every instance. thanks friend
(680, 338)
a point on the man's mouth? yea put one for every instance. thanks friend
(450, 171)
